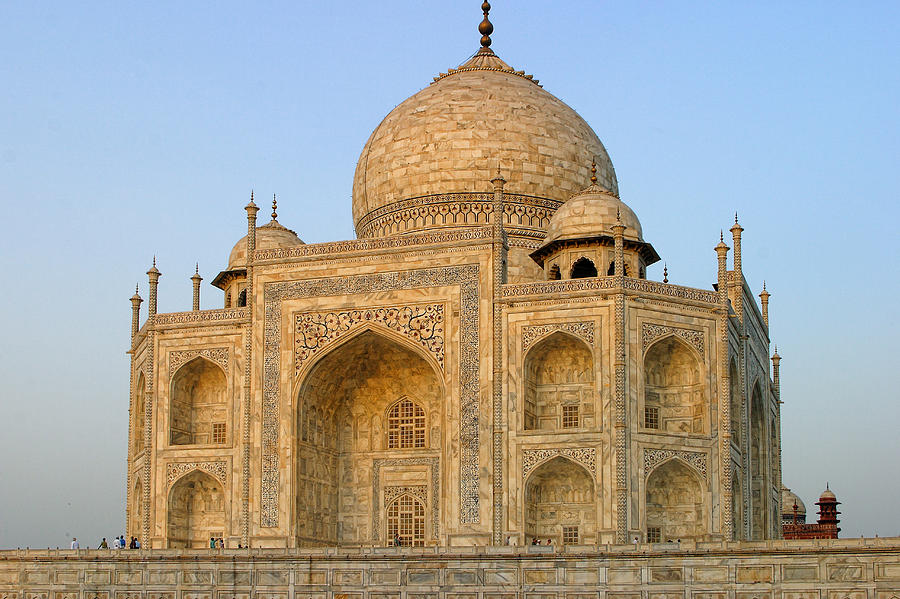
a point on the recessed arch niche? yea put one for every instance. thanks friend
(344, 409)
(736, 404)
(198, 410)
(559, 381)
(758, 461)
(196, 511)
(137, 494)
(674, 393)
(140, 407)
(559, 495)
(675, 505)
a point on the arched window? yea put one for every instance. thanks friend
(196, 511)
(560, 503)
(406, 521)
(198, 410)
(559, 382)
(675, 507)
(612, 269)
(406, 425)
(674, 391)
(242, 298)
(553, 274)
(583, 268)
(139, 408)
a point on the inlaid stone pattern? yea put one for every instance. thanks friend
(583, 330)
(218, 469)
(652, 332)
(417, 491)
(587, 456)
(177, 359)
(654, 457)
(466, 278)
(423, 324)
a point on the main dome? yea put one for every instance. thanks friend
(441, 147)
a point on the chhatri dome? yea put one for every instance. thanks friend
(444, 144)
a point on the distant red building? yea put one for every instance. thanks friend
(793, 516)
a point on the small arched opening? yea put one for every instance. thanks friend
(675, 506)
(406, 521)
(559, 503)
(196, 511)
(674, 395)
(553, 274)
(137, 495)
(583, 268)
(198, 409)
(736, 404)
(611, 271)
(242, 299)
(559, 379)
(140, 407)
(758, 463)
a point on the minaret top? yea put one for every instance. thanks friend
(485, 28)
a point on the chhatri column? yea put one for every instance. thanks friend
(621, 430)
(135, 326)
(196, 281)
(136, 301)
(764, 296)
(150, 393)
(776, 387)
(725, 395)
(252, 209)
(499, 251)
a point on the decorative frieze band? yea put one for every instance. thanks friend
(202, 316)
(531, 334)
(652, 332)
(655, 457)
(218, 469)
(434, 466)
(177, 359)
(377, 243)
(423, 324)
(465, 277)
(586, 456)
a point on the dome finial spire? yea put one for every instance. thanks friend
(486, 28)
(593, 171)
(274, 208)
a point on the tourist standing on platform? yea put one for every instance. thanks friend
(74, 544)
(103, 544)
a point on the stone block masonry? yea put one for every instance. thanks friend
(822, 569)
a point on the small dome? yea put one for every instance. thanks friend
(589, 213)
(827, 495)
(271, 235)
(788, 499)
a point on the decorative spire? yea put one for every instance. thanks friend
(274, 208)
(252, 204)
(594, 171)
(486, 28)
(618, 216)
(665, 273)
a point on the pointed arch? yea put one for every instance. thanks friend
(759, 460)
(559, 381)
(675, 395)
(560, 502)
(345, 403)
(405, 521)
(736, 405)
(675, 501)
(406, 424)
(583, 268)
(139, 412)
(198, 406)
(195, 511)
(136, 512)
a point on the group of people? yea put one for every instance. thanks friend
(537, 541)
(117, 543)
(216, 543)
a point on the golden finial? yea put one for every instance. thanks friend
(485, 28)
(274, 208)
(665, 273)
(721, 236)
(735, 217)
(594, 171)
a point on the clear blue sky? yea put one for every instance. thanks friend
(129, 130)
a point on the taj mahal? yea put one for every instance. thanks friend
(405, 415)
(485, 364)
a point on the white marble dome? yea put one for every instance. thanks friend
(592, 212)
